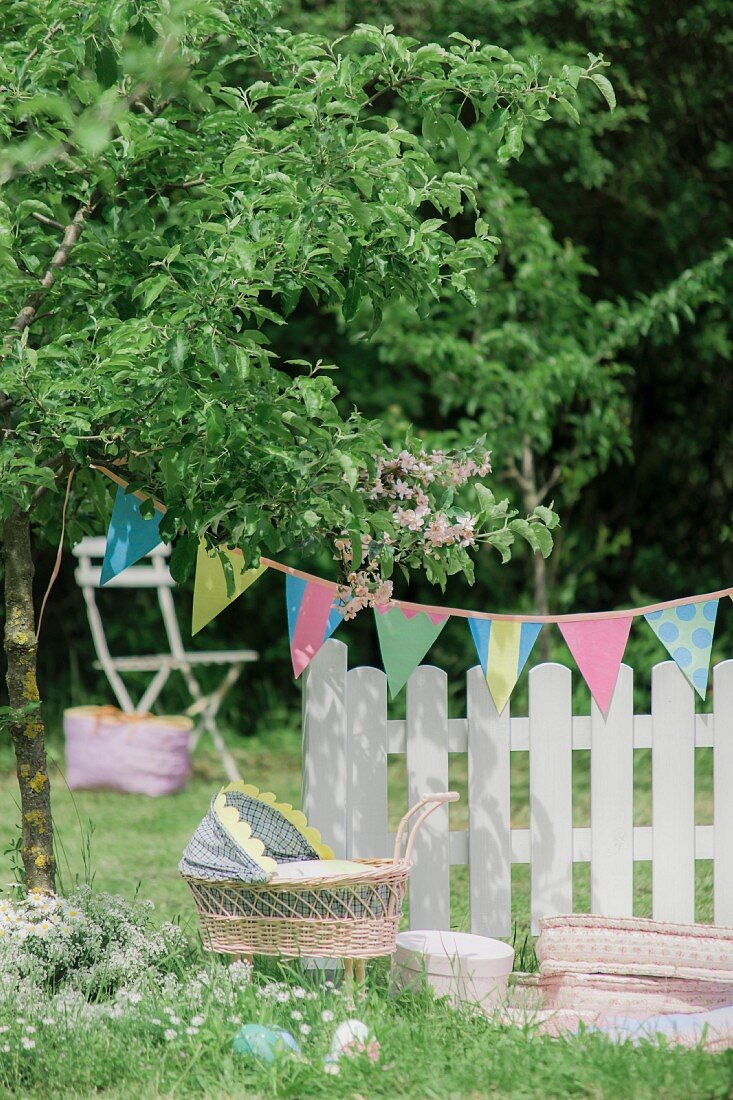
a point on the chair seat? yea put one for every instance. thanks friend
(155, 661)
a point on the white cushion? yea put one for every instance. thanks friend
(316, 868)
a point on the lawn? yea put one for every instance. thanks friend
(130, 845)
(135, 842)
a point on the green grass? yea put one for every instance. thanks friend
(427, 1051)
(430, 1050)
(137, 841)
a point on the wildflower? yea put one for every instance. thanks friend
(333, 1068)
(27, 1044)
(327, 1016)
(240, 971)
(299, 992)
(5, 1048)
(295, 1015)
(305, 1029)
(4, 1028)
(169, 1034)
(283, 997)
(197, 1021)
(30, 1029)
(192, 1031)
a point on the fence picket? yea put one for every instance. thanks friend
(612, 802)
(673, 795)
(489, 829)
(347, 736)
(550, 791)
(326, 791)
(722, 801)
(427, 771)
(366, 828)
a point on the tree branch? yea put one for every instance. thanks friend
(47, 221)
(62, 464)
(513, 472)
(71, 235)
(550, 483)
(34, 52)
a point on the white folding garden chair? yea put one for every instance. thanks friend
(153, 572)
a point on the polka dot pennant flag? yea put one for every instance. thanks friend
(686, 632)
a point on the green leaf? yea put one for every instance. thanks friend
(150, 289)
(569, 109)
(543, 539)
(486, 499)
(349, 466)
(547, 515)
(462, 140)
(605, 88)
(512, 145)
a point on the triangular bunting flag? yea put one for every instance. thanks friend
(210, 586)
(405, 636)
(598, 646)
(313, 615)
(130, 535)
(503, 648)
(686, 632)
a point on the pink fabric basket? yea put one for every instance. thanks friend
(632, 996)
(633, 966)
(133, 753)
(635, 946)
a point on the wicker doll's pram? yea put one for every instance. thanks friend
(341, 916)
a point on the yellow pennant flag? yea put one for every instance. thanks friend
(210, 586)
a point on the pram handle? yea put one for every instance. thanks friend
(427, 804)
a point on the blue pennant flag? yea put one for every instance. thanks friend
(130, 535)
(503, 648)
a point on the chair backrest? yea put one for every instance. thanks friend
(151, 572)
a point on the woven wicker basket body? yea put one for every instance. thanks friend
(352, 916)
(344, 916)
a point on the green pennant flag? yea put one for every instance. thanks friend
(404, 639)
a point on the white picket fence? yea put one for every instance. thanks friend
(347, 736)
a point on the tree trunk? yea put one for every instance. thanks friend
(26, 726)
(532, 497)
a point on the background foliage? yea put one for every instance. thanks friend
(595, 354)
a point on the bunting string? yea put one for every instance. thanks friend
(406, 630)
(463, 613)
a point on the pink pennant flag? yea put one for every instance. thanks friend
(312, 626)
(597, 646)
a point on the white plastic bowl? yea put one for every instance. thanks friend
(465, 968)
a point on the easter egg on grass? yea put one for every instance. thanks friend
(350, 1038)
(264, 1043)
